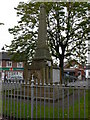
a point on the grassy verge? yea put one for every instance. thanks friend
(0, 107)
(14, 108)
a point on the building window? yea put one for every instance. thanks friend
(0, 63)
(19, 64)
(20, 74)
(8, 64)
(89, 73)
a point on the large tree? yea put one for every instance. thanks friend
(67, 31)
(1, 23)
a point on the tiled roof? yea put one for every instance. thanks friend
(4, 56)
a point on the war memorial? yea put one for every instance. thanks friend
(42, 67)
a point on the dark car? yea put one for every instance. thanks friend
(16, 78)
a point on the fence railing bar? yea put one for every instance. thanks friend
(63, 100)
(14, 98)
(53, 100)
(5, 98)
(8, 100)
(24, 97)
(48, 100)
(44, 97)
(1, 97)
(36, 96)
(73, 102)
(17, 98)
(78, 102)
(11, 101)
(84, 103)
(40, 98)
(20, 97)
(58, 99)
(68, 102)
(27, 99)
(32, 96)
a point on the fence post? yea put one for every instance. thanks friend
(32, 96)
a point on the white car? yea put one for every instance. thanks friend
(79, 77)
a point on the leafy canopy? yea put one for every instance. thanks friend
(67, 30)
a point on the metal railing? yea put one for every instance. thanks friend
(37, 100)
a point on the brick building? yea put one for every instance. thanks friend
(88, 62)
(74, 68)
(9, 67)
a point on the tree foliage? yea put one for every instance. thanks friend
(1, 23)
(67, 30)
(25, 33)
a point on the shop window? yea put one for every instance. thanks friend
(0, 63)
(89, 73)
(8, 64)
(20, 73)
(19, 64)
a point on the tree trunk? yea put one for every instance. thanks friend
(25, 71)
(62, 70)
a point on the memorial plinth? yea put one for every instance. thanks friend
(42, 62)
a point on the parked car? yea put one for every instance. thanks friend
(69, 78)
(15, 78)
(79, 77)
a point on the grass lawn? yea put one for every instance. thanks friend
(0, 106)
(26, 108)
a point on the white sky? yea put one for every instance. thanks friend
(9, 18)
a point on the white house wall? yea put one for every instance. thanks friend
(56, 75)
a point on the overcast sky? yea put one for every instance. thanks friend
(8, 17)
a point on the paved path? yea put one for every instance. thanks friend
(0, 118)
(79, 83)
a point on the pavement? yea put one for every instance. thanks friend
(10, 86)
(0, 118)
(79, 83)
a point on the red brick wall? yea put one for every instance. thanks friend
(14, 64)
(3, 63)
